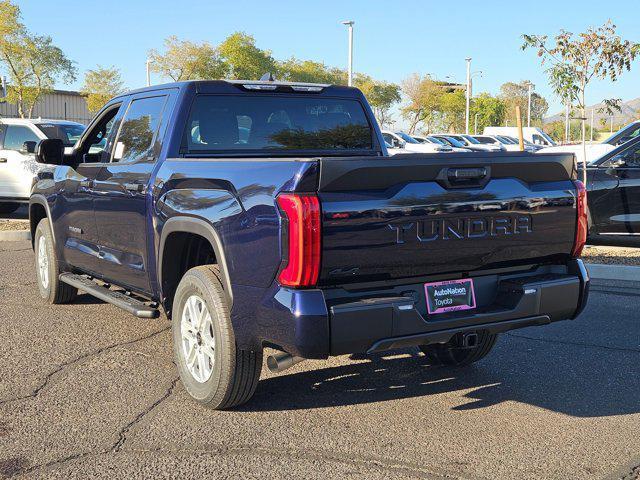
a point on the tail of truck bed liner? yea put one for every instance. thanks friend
(419, 215)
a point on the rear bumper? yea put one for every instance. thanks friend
(317, 323)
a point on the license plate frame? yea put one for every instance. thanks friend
(450, 296)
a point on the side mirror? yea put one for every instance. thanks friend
(28, 147)
(617, 162)
(50, 151)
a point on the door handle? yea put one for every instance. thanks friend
(3, 160)
(134, 187)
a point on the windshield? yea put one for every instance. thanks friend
(625, 134)
(69, 133)
(460, 139)
(406, 137)
(485, 140)
(471, 139)
(506, 140)
(436, 140)
(454, 142)
(265, 123)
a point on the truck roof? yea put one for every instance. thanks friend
(229, 86)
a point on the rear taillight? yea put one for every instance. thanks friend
(303, 236)
(582, 225)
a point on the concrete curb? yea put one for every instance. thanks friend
(613, 272)
(15, 235)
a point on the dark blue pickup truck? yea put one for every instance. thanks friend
(267, 214)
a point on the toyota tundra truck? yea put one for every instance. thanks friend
(268, 214)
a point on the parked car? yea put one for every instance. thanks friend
(470, 143)
(595, 151)
(306, 237)
(503, 142)
(18, 168)
(437, 141)
(404, 141)
(534, 135)
(451, 141)
(613, 182)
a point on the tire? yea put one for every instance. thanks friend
(51, 288)
(451, 354)
(212, 369)
(9, 207)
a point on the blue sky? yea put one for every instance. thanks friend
(392, 39)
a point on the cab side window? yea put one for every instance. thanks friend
(16, 136)
(537, 139)
(137, 135)
(96, 142)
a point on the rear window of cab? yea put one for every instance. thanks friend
(272, 124)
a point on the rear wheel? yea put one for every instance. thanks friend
(9, 207)
(212, 368)
(48, 268)
(455, 354)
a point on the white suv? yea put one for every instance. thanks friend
(18, 140)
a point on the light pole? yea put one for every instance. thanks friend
(148, 72)
(531, 87)
(567, 125)
(349, 24)
(468, 103)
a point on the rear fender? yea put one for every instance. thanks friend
(201, 212)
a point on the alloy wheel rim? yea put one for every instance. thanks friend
(198, 341)
(43, 263)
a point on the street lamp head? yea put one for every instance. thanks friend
(468, 59)
(348, 22)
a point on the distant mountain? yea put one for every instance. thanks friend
(630, 111)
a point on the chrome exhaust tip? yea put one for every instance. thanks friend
(281, 361)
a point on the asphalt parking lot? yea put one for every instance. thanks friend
(89, 391)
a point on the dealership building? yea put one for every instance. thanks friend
(57, 105)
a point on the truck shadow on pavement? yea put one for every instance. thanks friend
(579, 381)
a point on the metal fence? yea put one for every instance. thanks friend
(59, 105)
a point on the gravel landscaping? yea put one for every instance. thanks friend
(611, 255)
(6, 225)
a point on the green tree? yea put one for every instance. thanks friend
(184, 60)
(490, 111)
(574, 61)
(452, 109)
(556, 130)
(10, 24)
(34, 64)
(380, 95)
(516, 94)
(295, 70)
(423, 99)
(101, 85)
(243, 59)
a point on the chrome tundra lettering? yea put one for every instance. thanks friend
(452, 228)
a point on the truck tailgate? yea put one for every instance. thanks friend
(419, 215)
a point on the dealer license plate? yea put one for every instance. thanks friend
(450, 296)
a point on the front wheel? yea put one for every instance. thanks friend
(455, 355)
(48, 268)
(213, 370)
